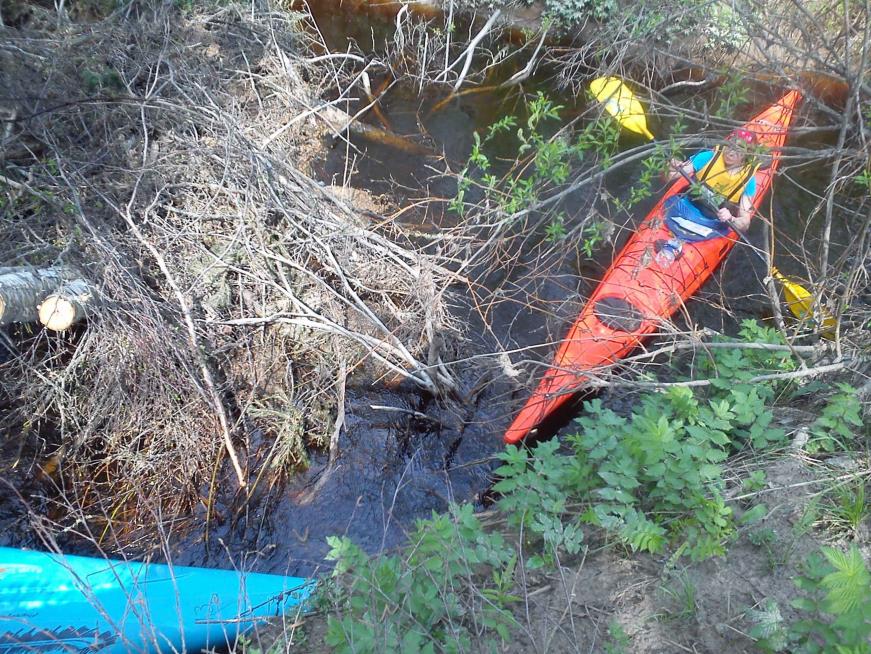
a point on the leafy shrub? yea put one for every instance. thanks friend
(657, 474)
(543, 163)
(835, 426)
(535, 490)
(653, 478)
(427, 597)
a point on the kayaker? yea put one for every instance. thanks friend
(721, 196)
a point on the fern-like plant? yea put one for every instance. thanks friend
(838, 604)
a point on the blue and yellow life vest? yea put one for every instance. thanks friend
(724, 187)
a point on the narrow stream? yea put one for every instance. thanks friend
(417, 455)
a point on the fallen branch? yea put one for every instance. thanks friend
(334, 438)
(218, 405)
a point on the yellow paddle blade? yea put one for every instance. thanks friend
(801, 302)
(621, 103)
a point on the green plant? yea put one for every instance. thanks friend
(778, 551)
(846, 508)
(838, 604)
(681, 593)
(754, 482)
(834, 428)
(724, 28)
(657, 473)
(535, 489)
(429, 596)
(595, 233)
(556, 230)
(618, 640)
(768, 628)
(543, 163)
(731, 93)
(652, 168)
(567, 13)
(651, 478)
(732, 371)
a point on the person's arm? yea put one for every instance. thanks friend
(741, 222)
(688, 167)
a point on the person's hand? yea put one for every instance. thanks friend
(725, 216)
(673, 170)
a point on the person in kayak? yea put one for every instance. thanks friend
(721, 196)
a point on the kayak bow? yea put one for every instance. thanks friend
(638, 292)
(56, 603)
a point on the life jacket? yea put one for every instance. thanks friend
(717, 186)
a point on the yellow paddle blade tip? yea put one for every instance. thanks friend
(621, 103)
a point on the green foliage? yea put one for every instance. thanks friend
(599, 138)
(836, 604)
(681, 593)
(732, 370)
(618, 640)
(835, 426)
(846, 507)
(754, 482)
(424, 598)
(534, 490)
(556, 230)
(543, 163)
(594, 235)
(768, 627)
(521, 187)
(731, 93)
(724, 28)
(655, 477)
(652, 168)
(567, 13)
(657, 474)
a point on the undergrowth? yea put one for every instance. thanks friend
(541, 162)
(652, 481)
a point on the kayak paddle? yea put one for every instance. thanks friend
(621, 103)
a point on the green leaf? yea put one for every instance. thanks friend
(754, 515)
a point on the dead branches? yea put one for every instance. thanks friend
(228, 277)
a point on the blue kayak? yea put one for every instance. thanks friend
(82, 605)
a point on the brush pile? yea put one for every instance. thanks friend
(164, 157)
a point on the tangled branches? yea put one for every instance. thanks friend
(235, 287)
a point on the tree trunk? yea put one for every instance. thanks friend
(24, 293)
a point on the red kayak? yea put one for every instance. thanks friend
(640, 290)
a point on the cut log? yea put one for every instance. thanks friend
(70, 304)
(22, 290)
